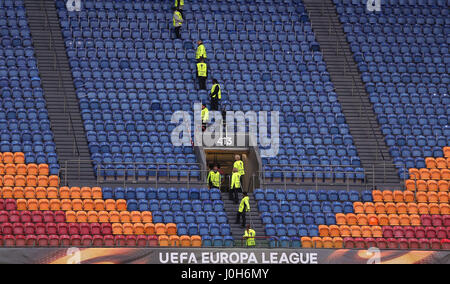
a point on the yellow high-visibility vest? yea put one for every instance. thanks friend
(177, 19)
(202, 69)
(205, 115)
(219, 94)
(235, 181)
(179, 3)
(240, 166)
(244, 203)
(201, 52)
(250, 235)
(214, 178)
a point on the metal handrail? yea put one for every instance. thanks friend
(339, 46)
(57, 63)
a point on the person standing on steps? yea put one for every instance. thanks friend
(202, 74)
(177, 22)
(249, 236)
(235, 186)
(239, 164)
(216, 95)
(201, 51)
(205, 117)
(179, 4)
(244, 207)
(214, 178)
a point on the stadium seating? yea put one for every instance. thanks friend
(24, 122)
(404, 60)
(416, 218)
(131, 75)
(36, 211)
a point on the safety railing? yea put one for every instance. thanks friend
(61, 89)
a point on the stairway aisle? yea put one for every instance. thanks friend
(59, 91)
(356, 106)
(253, 218)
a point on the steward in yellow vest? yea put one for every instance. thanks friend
(177, 22)
(244, 207)
(214, 178)
(216, 95)
(202, 74)
(201, 51)
(249, 236)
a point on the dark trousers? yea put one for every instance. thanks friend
(202, 83)
(214, 104)
(244, 218)
(234, 194)
(178, 32)
(242, 182)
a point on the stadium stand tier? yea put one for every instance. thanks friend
(402, 54)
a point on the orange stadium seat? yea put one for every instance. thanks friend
(43, 181)
(317, 242)
(414, 174)
(334, 231)
(401, 208)
(341, 219)
(307, 242)
(425, 174)
(7, 192)
(405, 220)
(18, 193)
(445, 174)
(366, 232)
(21, 169)
(444, 208)
(52, 193)
(32, 170)
(19, 158)
(185, 241)
(66, 205)
(196, 241)
(33, 205)
(97, 193)
(423, 209)
(114, 217)
(362, 219)
(8, 158)
(408, 196)
(88, 205)
(64, 192)
(415, 220)
(55, 204)
(380, 208)
(30, 192)
(99, 205)
(434, 209)
(103, 217)
(160, 229)
(391, 208)
(394, 220)
(410, 185)
(2, 169)
(174, 241)
(77, 205)
(136, 217)
(432, 185)
(432, 197)
(10, 169)
(149, 229)
(163, 241)
(117, 229)
(421, 185)
(22, 205)
(44, 204)
(351, 219)
(71, 217)
(338, 242)
(86, 193)
(138, 229)
(43, 170)
(121, 205)
(358, 207)
(377, 195)
(171, 229)
(422, 197)
(355, 231)
(443, 185)
(324, 231)
(146, 217)
(447, 152)
(125, 217)
(75, 193)
(399, 196)
(388, 196)
(369, 208)
(9, 181)
(1, 181)
(441, 163)
(412, 208)
(41, 193)
(32, 181)
(383, 219)
(92, 217)
(110, 205)
(377, 232)
(443, 197)
(345, 231)
(81, 216)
